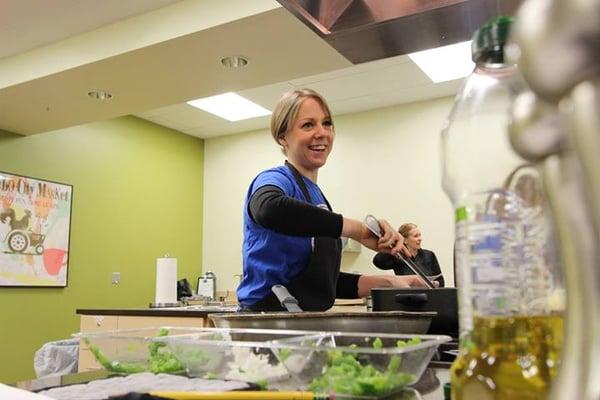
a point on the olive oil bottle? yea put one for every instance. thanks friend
(509, 286)
(509, 358)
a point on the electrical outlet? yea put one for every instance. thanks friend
(116, 278)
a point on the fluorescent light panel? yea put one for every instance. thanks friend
(445, 63)
(230, 106)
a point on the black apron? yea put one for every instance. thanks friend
(315, 287)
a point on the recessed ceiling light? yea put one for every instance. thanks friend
(445, 63)
(234, 61)
(100, 95)
(230, 106)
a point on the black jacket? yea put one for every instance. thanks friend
(425, 259)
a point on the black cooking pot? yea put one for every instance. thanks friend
(441, 300)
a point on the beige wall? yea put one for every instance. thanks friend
(385, 162)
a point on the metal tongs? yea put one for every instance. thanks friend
(374, 227)
(287, 301)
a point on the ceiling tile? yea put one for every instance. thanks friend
(395, 97)
(186, 116)
(164, 121)
(267, 96)
(7, 45)
(396, 77)
(227, 128)
(353, 70)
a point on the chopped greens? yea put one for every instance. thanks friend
(153, 347)
(284, 354)
(116, 366)
(413, 341)
(165, 363)
(160, 361)
(263, 384)
(344, 373)
(210, 375)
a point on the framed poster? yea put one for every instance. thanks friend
(35, 224)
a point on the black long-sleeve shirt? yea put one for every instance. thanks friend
(272, 209)
(425, 259)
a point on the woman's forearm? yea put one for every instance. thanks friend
(389, 240)
(368, 282)
(352, 228)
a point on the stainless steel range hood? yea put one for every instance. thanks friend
(367, 30)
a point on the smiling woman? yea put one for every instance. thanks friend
(291, 234)
(308, 140)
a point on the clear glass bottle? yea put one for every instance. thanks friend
(510, 290)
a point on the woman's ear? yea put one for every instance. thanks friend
(282, 140)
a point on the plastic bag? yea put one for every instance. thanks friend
(56, 358)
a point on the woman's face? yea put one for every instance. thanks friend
(309, 139)
(413, 240)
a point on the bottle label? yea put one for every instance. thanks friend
(508, 271)
(491, 267)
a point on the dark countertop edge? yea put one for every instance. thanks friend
(145, 312)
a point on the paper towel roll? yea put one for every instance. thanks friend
(166, 280)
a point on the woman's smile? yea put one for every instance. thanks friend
(318, 147)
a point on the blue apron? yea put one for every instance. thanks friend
(315, 287)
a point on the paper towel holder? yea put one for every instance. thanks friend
(165, 304)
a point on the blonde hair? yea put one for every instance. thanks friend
(286, 111)
(405, 229)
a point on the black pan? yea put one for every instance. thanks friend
(441, 300)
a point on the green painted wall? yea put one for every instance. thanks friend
(137, 194)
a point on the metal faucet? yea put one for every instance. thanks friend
(557, 125)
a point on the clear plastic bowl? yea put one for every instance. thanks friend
(357, 365)
(278, 359)
(229, 354)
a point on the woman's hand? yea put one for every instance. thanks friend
(391, 241)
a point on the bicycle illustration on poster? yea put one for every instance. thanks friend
(35, 222)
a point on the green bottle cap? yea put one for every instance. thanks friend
(489, 40)
(461, 214)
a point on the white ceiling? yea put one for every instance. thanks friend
(27, 24)
(153, 61)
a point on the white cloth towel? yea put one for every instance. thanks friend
(12, 393)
